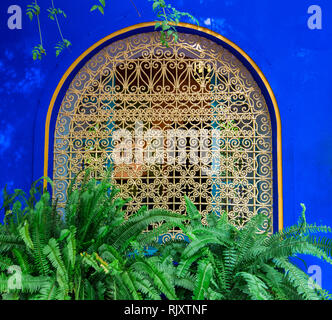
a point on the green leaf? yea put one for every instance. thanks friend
(155, 5)
(64, 234)
(176, 37)
(30, 14)
(101, 9)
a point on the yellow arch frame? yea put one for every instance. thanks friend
(189, 26)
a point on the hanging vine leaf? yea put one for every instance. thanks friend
(38, 52)
(170, 18)
(52, 12)
(99, 7)
(33, 10)
(53, 15)
(60, 46)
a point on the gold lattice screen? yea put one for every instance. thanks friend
(184, 120)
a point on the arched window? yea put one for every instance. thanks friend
(189, 119)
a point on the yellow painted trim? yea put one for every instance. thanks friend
(189, 26)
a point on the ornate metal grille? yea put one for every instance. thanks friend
(184, 120)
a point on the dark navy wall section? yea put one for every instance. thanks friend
(295, 60)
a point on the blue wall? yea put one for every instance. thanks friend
(295, 60)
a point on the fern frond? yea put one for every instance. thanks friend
(230, 256)
(135, 225)
(3, 283)
(40, 260)
(130, 282)
(200, 243)
(22, 260)
(324, 244)
(213, 295)
(185, 264)
(204, 275)
(193, 213)
(188, 282)
(10, 241)
(52, 251)
(159, 279)
(48, 291)
(248, 235)
(71, 247)
(5, 263)
(25, 235)
(144, 286)
(257, 289)
(298, 278)
(32, 284)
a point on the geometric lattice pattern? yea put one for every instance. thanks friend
(168, 122)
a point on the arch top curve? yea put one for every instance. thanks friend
(253, 69)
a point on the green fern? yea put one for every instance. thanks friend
(93, 252)
(249, 263)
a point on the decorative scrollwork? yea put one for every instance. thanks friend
(184, 120)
